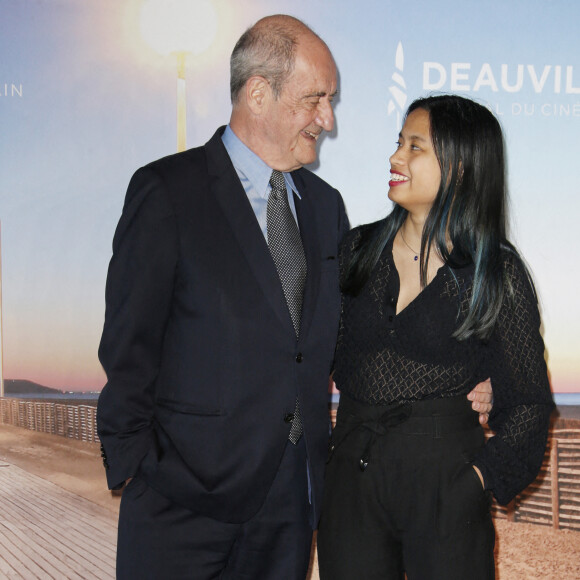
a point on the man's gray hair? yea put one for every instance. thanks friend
(267, 49)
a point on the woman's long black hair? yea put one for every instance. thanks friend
(469, 209)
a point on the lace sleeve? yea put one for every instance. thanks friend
(522, 398)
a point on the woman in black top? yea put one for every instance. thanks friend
(435, 299)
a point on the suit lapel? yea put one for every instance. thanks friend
(233, 201)
(309, 233)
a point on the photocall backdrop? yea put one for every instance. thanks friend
(85, 101)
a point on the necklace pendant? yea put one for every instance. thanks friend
(416, 256)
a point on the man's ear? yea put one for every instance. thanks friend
(258, 92)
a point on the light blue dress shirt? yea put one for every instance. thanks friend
(255, 177)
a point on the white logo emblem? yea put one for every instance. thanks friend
(398, 90)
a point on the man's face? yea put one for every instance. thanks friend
(295, 120)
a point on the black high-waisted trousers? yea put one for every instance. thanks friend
(401, 496)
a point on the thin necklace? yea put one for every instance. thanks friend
(408, 246)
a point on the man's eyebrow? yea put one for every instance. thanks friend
(319, 94)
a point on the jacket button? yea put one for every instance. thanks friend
(299, 357)
(288, 417)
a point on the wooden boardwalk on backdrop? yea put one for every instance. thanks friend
(48, 532)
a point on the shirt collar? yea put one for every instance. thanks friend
(251, 166)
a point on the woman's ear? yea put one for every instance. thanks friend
(460, 173)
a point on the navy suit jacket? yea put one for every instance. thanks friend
(201, 357)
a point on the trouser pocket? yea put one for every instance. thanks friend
(462, 500)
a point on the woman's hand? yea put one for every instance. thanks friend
(482, 400)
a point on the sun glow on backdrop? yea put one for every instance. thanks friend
(180, 28)
(172, 26)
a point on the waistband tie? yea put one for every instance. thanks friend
(434, 417)
(375, 427)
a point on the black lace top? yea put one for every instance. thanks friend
(384, 358)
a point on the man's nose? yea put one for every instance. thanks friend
(325, 117)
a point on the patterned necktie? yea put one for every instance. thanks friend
(287, 252)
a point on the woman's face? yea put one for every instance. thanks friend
(415, 171)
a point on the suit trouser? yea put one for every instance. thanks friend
(401, 495)
(160, 540)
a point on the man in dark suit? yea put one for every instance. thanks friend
(207, 370)
(221, 320)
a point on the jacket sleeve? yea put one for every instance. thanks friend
(343, 222)
(138, 300)
(523, 401)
